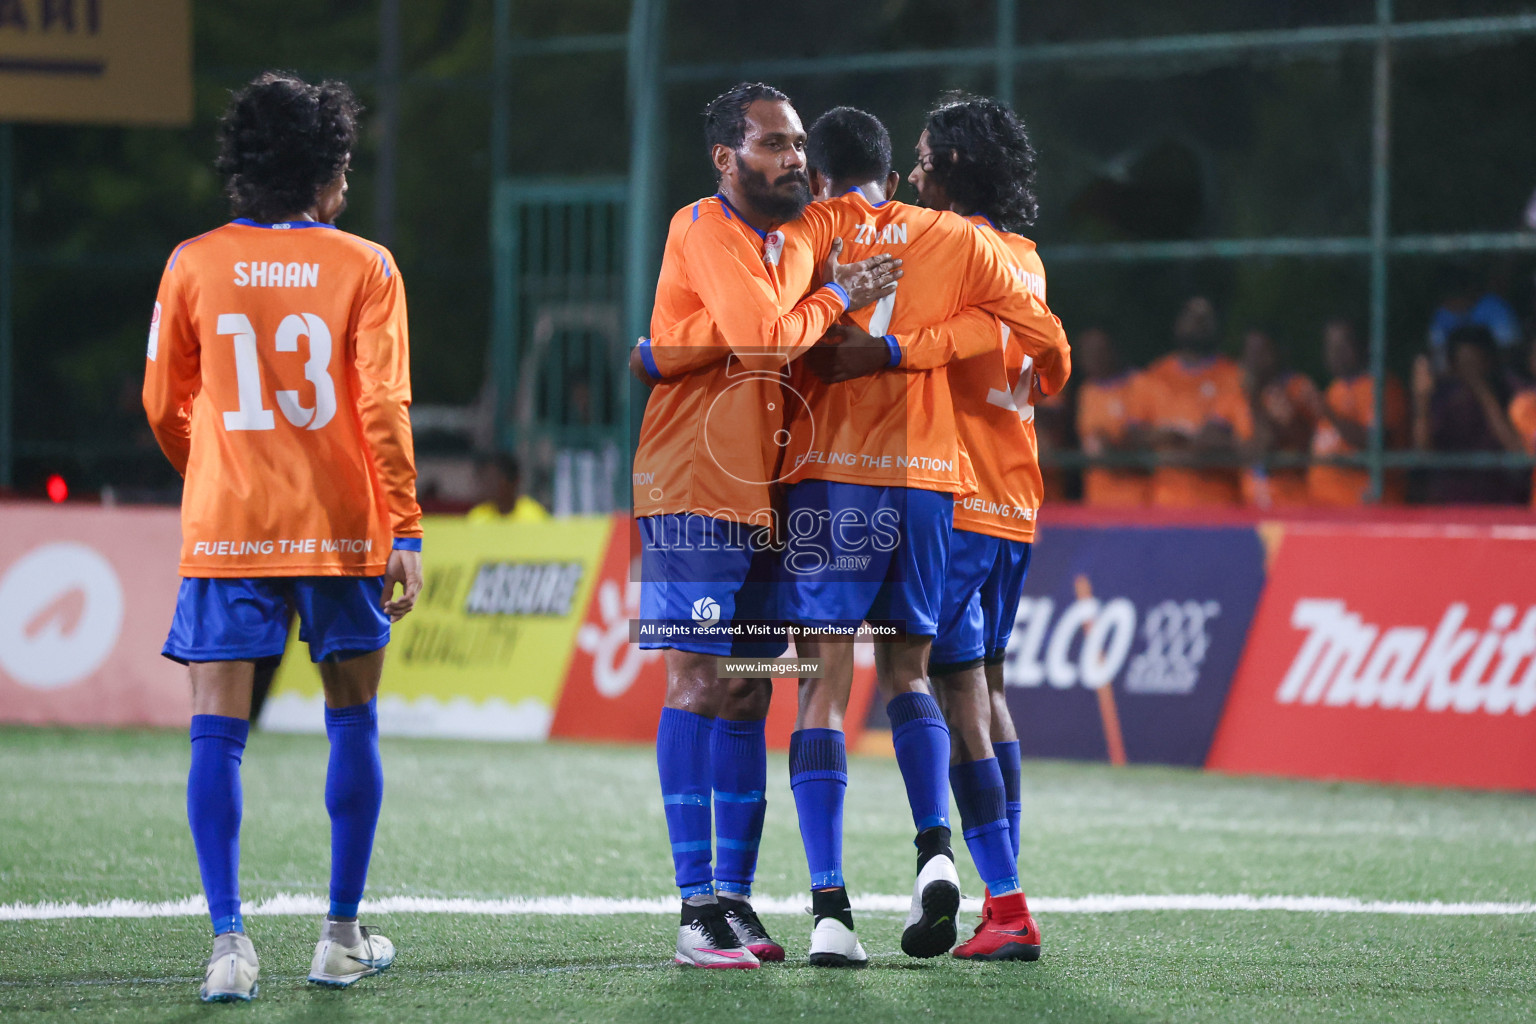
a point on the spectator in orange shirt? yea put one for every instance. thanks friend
(1344, 424)
(1104, 405)
(1522, 412)
(1190, 408)
(1285, 406)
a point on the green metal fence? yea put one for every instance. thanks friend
(1385, 38)
(559, 370)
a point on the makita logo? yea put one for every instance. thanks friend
(1346, 661)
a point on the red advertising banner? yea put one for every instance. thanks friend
(1394, 654)
(614, 690)
(86, 596)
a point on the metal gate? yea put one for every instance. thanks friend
(558, 346)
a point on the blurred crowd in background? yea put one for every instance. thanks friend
(1199, 428)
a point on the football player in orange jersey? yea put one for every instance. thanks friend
(974, 157)
(706, 459)
(874, 465)
(310, 504)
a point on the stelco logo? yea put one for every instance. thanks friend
(1346, 661)
(1176, 635)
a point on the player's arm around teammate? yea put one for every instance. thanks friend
(698, 341)
(311, 503)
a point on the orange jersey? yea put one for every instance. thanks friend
(1522, 413)
(1172, 395)
(1104, 409)
(893, 428)
(709, 439)
(995, 417)
(278, 383)
(1291, 401)
(1354, 400)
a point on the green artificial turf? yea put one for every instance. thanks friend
(89, 816)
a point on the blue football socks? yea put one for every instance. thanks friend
(739, 765)
(818, 776)
(984, 817)
(683, 761)
(922, 751)
(354, 791)
(1008, 762)
(214, 805)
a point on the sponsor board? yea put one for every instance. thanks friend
(485, 651)
(86, 596)
(614, 690)
(96, 61)
(1126, 639)
(1395, 656)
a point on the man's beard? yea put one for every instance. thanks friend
(779, 206)
(340, 209)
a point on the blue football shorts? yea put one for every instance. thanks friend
(856, 553)
(708, 586)
(981, 599)
(244, 618)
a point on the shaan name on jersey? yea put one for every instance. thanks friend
(273, 274)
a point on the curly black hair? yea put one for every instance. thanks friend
(282, 141)
(725, 118)
(982, 157)
(846, 144)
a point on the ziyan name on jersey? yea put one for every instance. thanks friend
(891, 234)
(304, 546)
(276, 274)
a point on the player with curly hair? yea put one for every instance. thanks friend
(278, 384)
(974, 158)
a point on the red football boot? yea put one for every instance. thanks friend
(1007, 932)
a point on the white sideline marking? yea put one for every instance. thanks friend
(292, 904)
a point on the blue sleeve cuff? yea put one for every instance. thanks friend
(895, 347)
(407, 544)
(648, 360)
(841, 294)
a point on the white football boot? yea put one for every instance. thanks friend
(834, 944)
(749, 929)
(231, 972)
(347, 952)
(705, 939)
(930, 925)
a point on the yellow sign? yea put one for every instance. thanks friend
(96, 61)
(485, 652)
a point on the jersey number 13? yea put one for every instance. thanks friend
(253, 413)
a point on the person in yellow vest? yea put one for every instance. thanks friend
(500, 479)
